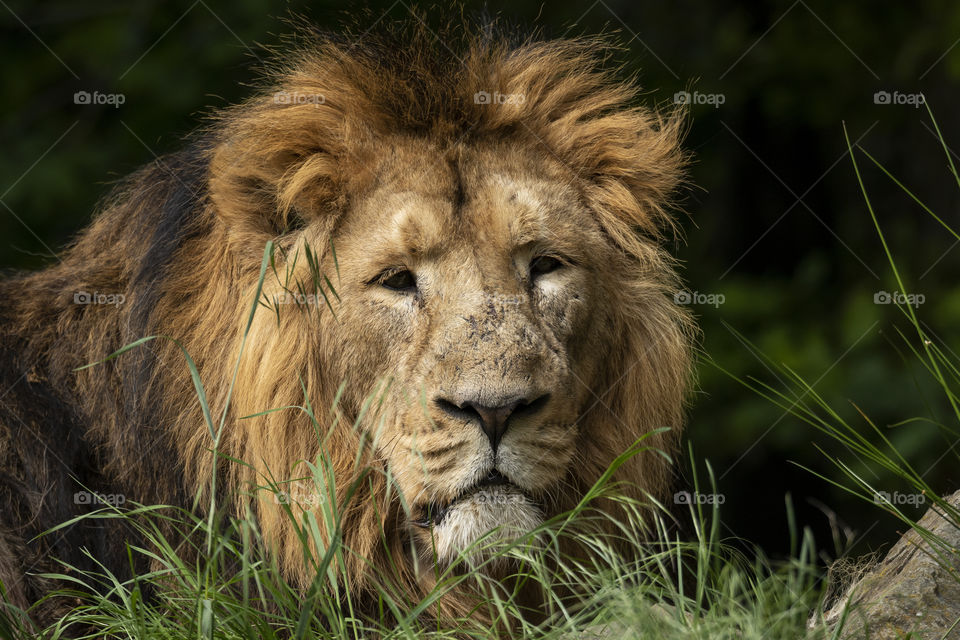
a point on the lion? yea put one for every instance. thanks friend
(477, 230)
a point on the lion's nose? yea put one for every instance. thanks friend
(493, 420)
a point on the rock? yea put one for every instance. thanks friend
(915, 588)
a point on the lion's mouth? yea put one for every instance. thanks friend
(433, 513)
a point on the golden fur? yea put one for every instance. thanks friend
(392, 157)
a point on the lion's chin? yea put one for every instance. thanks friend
(495, 514)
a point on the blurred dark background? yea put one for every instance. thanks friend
(777, 225)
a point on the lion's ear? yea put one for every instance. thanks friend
(276, 162)
(629, 156)
(637, 174)
(633, 163)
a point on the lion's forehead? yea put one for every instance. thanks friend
(472, 201)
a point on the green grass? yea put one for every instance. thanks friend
(213, 580)
(868, 449)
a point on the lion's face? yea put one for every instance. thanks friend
(473, 277)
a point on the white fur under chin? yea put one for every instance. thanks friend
(500, 507)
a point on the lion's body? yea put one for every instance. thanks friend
(396, 160)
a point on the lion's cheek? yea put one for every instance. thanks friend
(435, 463)
(565, 312)
(379, 353)
(572, 322)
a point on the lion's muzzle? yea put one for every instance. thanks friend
(493, 420)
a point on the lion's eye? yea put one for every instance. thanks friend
(402, 280)
(543, 265)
